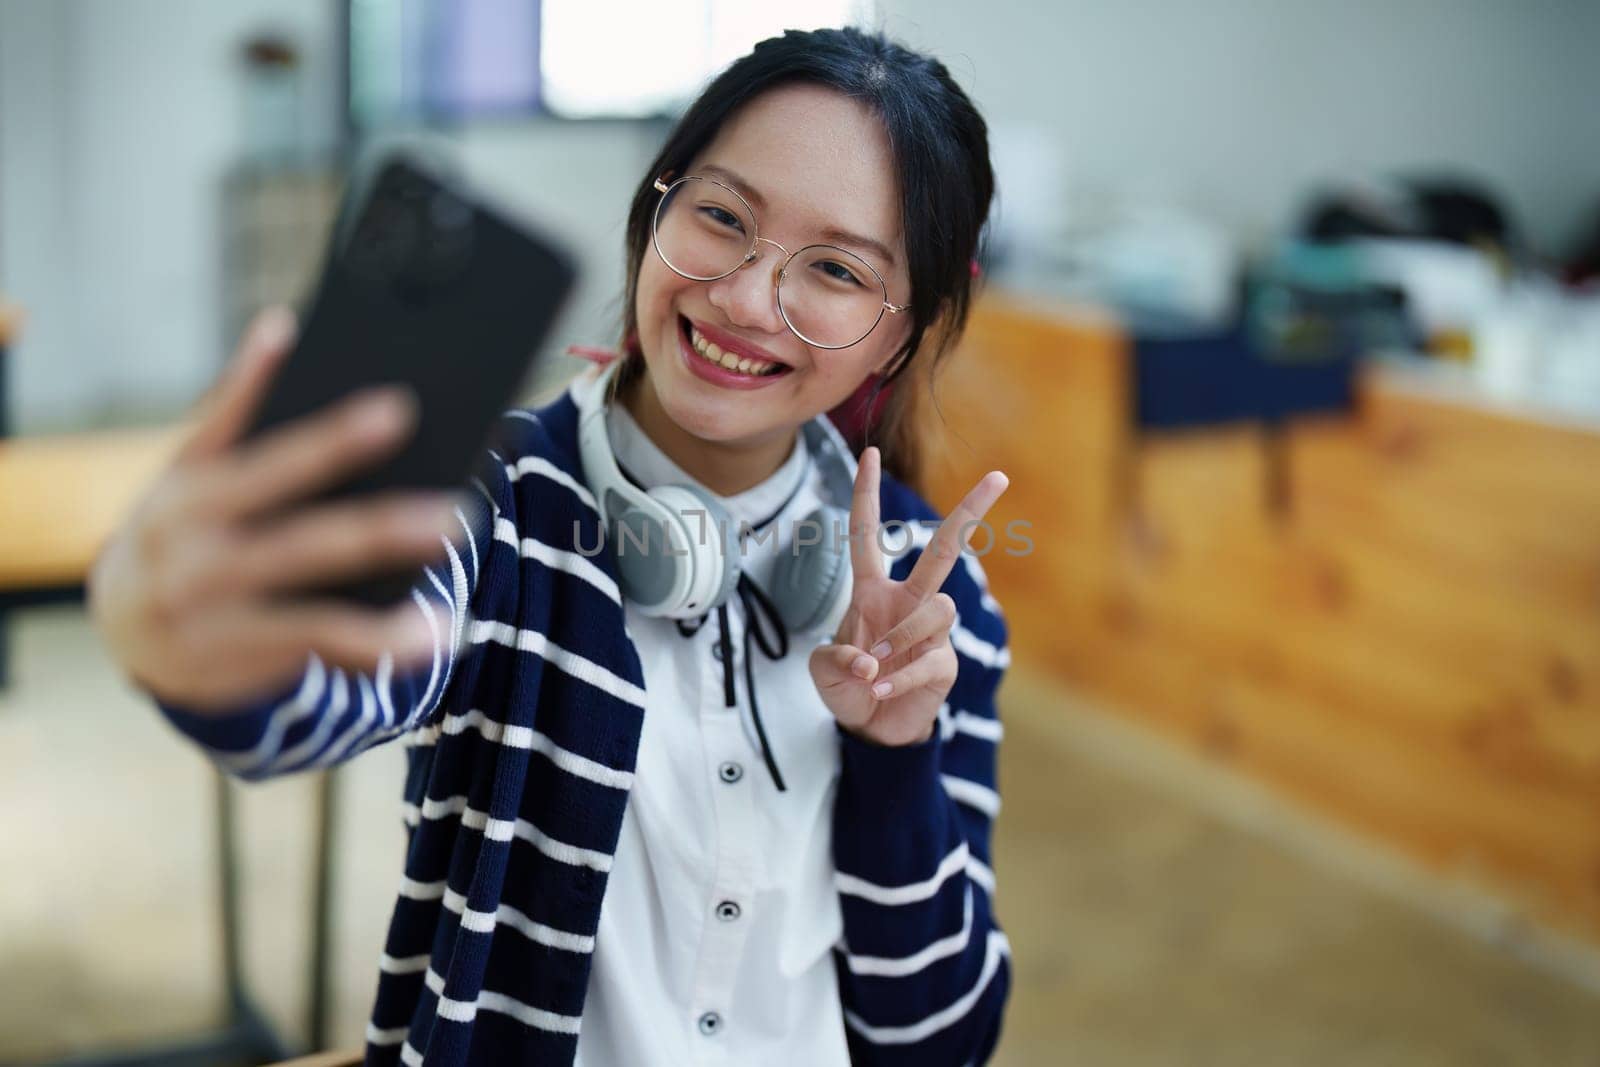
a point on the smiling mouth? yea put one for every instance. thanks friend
(712, 353)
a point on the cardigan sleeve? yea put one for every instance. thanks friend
(924, 969)
(328, 715)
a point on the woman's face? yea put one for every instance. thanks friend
(813, 164)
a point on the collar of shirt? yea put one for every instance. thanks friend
(653, 467)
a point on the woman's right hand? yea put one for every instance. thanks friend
(182, 592)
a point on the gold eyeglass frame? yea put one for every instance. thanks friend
(750, 257)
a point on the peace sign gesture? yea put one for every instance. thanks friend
(892, 664)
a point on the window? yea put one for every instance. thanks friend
(412, 60)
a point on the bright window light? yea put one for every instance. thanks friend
(634, 58)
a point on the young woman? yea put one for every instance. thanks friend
(716, 806)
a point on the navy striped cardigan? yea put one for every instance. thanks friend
(523, 734)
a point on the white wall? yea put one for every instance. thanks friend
(118, 117)
(1237, 106)
(37, 248)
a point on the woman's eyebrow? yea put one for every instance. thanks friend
(832, 234)
(877, 248)
(740, 186)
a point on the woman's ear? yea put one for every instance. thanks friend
(932, 338)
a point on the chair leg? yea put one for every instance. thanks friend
(318, 989)
(247, 1036)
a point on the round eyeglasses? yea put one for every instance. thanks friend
(829, 297)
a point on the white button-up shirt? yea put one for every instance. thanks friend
(720, 914)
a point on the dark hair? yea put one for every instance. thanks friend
(941, 152)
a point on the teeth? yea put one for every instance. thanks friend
(741, 364)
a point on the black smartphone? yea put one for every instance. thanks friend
(426, 285)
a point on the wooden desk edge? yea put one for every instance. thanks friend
(10, 322)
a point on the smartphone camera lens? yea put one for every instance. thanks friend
(404, 186)
(446, 244)
(414, 237)
(448, 214)
(385, 241)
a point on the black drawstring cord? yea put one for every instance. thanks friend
(755, 603)
(774, 645)
(775, 649)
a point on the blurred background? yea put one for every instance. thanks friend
(1290, 344)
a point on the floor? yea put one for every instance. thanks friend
(1152, 923)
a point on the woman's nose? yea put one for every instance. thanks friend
(749, 296)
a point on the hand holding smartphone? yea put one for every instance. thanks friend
(214, 589)
(424, 286)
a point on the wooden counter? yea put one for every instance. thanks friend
(1412, 646)
(64, 494)
(10, 322)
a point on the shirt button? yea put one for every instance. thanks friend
(716, 652)
(710, 1023)
(728, 911)
(730, 772)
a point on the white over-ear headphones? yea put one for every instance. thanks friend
(677, 550)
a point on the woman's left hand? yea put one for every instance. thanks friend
(892, 664)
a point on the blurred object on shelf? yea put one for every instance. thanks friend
(1308, 301)
(270, 118)
(1444, 241)
(1509, 336)
(1165, 270)
(1452, 209)
(1583, 266)
(1540, 343)
(1450, 345)
(1521, 339)
(1447, 287)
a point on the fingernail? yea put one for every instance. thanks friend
(862, 666)
(883, 689)
(881, 649)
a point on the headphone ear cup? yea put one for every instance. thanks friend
(811, 581)
(646, 571)
(712, 542)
